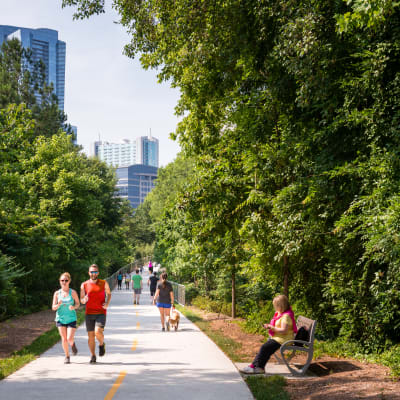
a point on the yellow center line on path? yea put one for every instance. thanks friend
(137, 313)
(134, 344)
(137, 325)
(116, 385)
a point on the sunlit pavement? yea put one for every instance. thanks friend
(141, 362)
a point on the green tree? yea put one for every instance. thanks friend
(22, 80)
(58, 211)
(310, 92)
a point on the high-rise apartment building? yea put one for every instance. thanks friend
(144, 150)
(147, 150)
(115, 154)
(45, 46)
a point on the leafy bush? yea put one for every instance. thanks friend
(215, 306)
(9, 295)
(258, 317)
(191, 291)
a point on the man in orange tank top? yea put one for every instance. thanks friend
(96, 294)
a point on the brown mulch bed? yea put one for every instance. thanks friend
(336, 378)
(19, 332)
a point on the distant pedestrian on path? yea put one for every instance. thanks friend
(150, 267)
(137, 286)
(65, 302)
(119, 280)
(96, 294)
(152, 281)
(281, 328)
(164, 298)
(127, 280)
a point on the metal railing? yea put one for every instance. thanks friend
(112, 279)
(179, 292)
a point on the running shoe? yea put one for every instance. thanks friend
(102, 350)
(74, 349)
(93, 360)
(67, 360)
(163, 329)
(251, 370)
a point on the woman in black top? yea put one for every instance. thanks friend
(164, 297)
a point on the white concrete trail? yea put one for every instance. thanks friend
(141, 362)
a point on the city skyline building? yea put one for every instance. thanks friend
(147, 150)
(45, 46)
(143, 150)
(115, 154)
(135, 182)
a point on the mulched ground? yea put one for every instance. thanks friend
(19, 332)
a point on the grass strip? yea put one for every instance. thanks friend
(262, 387)
(268, 387)
(19, 358)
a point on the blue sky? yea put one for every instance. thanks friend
(106, 93)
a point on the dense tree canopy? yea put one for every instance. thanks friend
(57, 212)
(58, 209)
(290, 110)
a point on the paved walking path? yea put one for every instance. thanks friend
(141, 362)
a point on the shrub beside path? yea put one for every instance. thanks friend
(140, 362)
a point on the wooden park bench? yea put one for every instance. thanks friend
(296, 345)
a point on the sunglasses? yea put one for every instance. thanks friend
(93, 272)
(64, 280)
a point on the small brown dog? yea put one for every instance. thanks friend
(173, 319)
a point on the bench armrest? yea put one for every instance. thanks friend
(290, 343)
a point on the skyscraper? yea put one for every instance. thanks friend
(45, 46)
(136, 165)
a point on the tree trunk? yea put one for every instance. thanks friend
(233, 294)
(286, 276)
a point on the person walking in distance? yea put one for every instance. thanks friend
(164, 297)
(127, 280)
(152, 281)
(119, 280)
(137, 287)
(150, 267)
(65, 302)
(96, 294)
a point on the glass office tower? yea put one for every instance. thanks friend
(135, 182)
(147, 150)
(45, 46)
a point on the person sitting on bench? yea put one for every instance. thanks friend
(281, 328)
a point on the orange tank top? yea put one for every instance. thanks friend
(97, 296)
